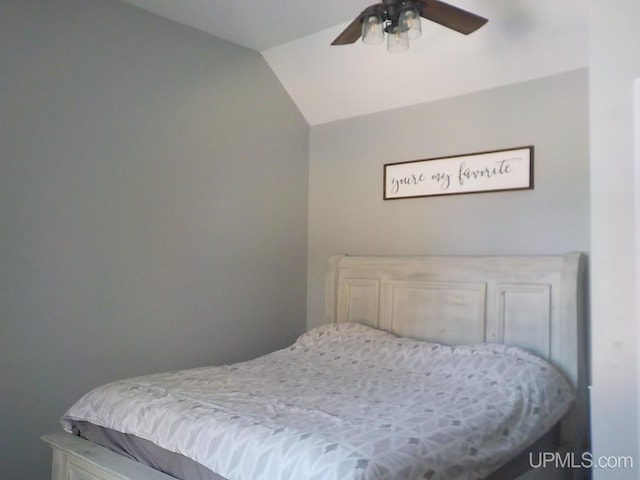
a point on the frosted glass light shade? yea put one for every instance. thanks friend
(409, 22)
(397, 40)
(373, 30)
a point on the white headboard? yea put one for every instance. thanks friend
(534, 302)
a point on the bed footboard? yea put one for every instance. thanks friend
(77, 459)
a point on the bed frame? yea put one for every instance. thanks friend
(534, 302)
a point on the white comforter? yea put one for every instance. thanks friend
(345, 402)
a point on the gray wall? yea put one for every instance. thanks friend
(347, 213)
(153, 208)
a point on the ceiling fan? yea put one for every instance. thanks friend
(400, 20)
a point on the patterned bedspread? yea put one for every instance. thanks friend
(344, 402)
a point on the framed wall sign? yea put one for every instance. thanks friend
(498, 170)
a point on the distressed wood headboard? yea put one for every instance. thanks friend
(533, 302)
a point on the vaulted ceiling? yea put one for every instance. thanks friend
(524, 39)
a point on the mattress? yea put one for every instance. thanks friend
(183, 468)
(344, 402)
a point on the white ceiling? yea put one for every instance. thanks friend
(523, 39)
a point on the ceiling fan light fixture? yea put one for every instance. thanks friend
(397, 39)
(386, 16)
(373, 29)
(409, 21)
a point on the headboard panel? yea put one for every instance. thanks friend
(534, 302)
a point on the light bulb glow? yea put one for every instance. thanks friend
(373, 30)
(397, 39)
(409, 22)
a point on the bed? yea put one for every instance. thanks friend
(499, 318)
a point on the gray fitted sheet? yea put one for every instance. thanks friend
(146, 452)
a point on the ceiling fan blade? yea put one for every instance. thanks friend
(451, 17)
(350, 34)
